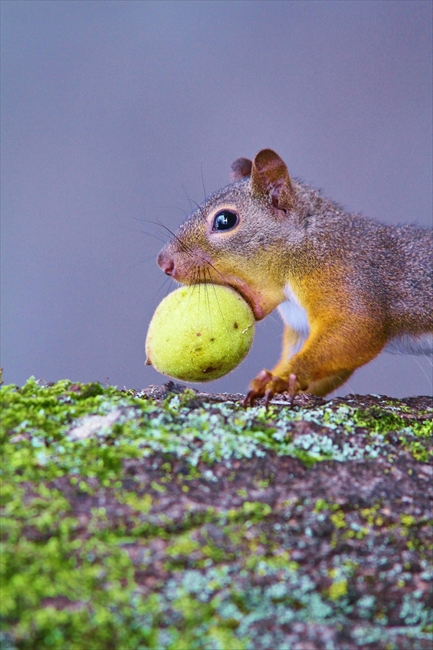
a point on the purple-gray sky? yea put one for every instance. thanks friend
(113, 111)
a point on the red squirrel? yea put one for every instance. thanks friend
(346, 286)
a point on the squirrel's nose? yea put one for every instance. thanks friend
(166, 263)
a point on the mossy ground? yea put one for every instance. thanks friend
(182, 521)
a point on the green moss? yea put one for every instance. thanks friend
(338, 589)
(72, 577)
(49, 416)
(338, 520)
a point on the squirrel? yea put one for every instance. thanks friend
(347, 287)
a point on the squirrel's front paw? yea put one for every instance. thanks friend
(266, 385)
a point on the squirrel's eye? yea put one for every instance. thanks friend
(225, 220)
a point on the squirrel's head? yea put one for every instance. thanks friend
(236, 237)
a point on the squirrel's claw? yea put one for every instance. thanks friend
(268, 396)
(258, 387)
(292, 388)
(266, 385)
(250, 398)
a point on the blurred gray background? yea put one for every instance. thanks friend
(112, 112)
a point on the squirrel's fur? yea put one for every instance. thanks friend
(347, 286)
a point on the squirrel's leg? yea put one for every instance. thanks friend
(328, 384)
(292, 343)
(269, 382)
(326, 360)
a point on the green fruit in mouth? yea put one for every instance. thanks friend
(199, 333)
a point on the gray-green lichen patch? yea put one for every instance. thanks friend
(164, 519)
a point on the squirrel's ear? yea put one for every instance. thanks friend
(269, 175)
(240, 168)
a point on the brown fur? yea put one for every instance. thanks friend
(361, 283)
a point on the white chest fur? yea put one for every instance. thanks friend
(405, 344)
(295, 316)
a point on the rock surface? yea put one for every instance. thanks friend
(171, 519)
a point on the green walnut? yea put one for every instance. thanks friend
(199, 333)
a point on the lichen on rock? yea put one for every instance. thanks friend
(170, 518)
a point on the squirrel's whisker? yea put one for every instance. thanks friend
(347, 287)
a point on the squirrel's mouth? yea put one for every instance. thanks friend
(251, 298)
